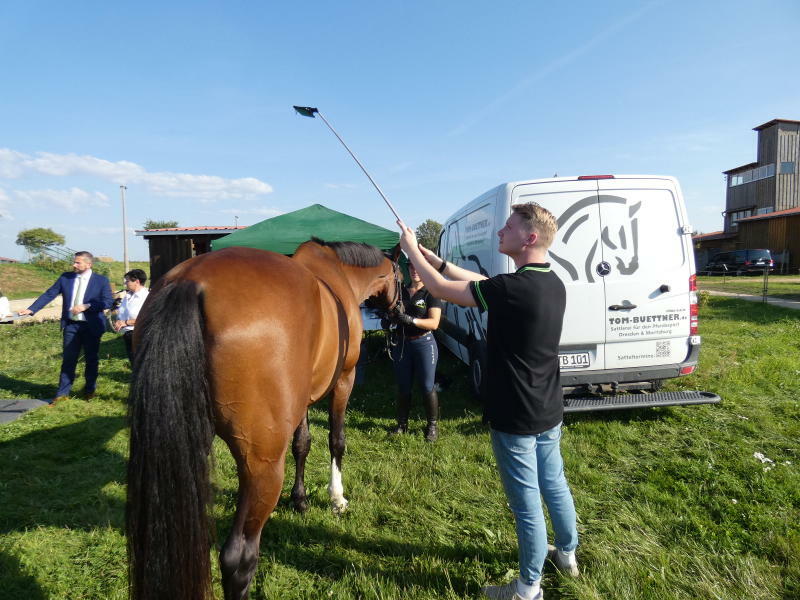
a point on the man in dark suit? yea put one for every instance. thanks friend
(85, 296)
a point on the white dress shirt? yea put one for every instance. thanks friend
(130, 307)
(78, 299)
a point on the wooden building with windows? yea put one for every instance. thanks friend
(762, 200)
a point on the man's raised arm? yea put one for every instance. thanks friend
(452, 291)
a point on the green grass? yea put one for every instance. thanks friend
(21, 280)
(672, 503)
(786, 287)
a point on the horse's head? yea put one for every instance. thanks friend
(621, 240)
(386, 293)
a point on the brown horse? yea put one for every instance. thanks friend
(238, 342)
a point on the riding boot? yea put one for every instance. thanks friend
(432, 412)
(403, 408)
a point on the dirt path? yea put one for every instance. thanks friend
(49, 313)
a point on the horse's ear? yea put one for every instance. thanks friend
(395, 253)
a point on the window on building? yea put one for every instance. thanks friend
(787, 167)
(736, 216)
(755, 174)
(764, 210)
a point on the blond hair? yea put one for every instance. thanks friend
(539, 220)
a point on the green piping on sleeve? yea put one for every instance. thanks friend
(480, 295)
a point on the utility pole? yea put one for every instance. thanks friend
(122, 189)
(235, 221)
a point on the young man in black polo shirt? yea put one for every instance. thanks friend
(525, 405)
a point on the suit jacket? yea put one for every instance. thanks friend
(97, 296)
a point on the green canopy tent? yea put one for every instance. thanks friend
(284, 233)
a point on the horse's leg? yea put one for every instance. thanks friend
(336, 438)
(260, 484)
(301, 444)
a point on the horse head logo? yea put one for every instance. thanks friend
(577, 236)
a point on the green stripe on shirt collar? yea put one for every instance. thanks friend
(539, 269)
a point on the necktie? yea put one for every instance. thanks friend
(77, 298)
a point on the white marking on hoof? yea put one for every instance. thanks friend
(336, 490)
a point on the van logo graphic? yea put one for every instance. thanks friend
(578, 243)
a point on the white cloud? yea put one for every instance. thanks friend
(5, 203)
(73, 199)
(206, 188)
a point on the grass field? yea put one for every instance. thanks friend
(22, 280)
(786, 287)
(672, 502)
(19, 280)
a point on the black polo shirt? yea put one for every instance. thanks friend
(417, 307)
(526, 311)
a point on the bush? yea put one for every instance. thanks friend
(703, 298)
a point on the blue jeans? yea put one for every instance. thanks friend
(531, 465)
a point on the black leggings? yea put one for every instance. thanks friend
(415, 359)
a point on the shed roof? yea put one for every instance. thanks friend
(773, 215)
(773, 122)
(202, 230)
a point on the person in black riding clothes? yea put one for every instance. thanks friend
(416, 354)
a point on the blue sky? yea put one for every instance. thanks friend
(189, 105)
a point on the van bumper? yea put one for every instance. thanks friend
(615, 376)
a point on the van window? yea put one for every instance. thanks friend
(471, 240)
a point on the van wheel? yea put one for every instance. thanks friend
(477, 371)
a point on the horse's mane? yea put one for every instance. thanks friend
(355, 254)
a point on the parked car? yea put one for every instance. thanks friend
(741, 262)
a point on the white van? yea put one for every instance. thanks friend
(624, 252)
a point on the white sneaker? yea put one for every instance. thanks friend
(566, 562)
(508, 592)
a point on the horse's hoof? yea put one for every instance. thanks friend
(339, 506)
(300, 506)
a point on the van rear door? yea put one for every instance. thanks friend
(573, 255)
(645, 256)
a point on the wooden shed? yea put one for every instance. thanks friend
(173, 245)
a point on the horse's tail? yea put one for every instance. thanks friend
(171, 420)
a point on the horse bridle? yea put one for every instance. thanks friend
(397, 301)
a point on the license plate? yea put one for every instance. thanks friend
(574, 360)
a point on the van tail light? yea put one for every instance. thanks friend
(693, 310)
(771, 263)
(688, 370)
(747, 263)
(585, 177)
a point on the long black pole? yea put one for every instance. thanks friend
(310, 112)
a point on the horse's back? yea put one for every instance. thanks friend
(268, 321)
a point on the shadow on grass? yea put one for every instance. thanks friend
(27, 388)
(56, 477)
(16, 583)
(328, 553)
(733, 309)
